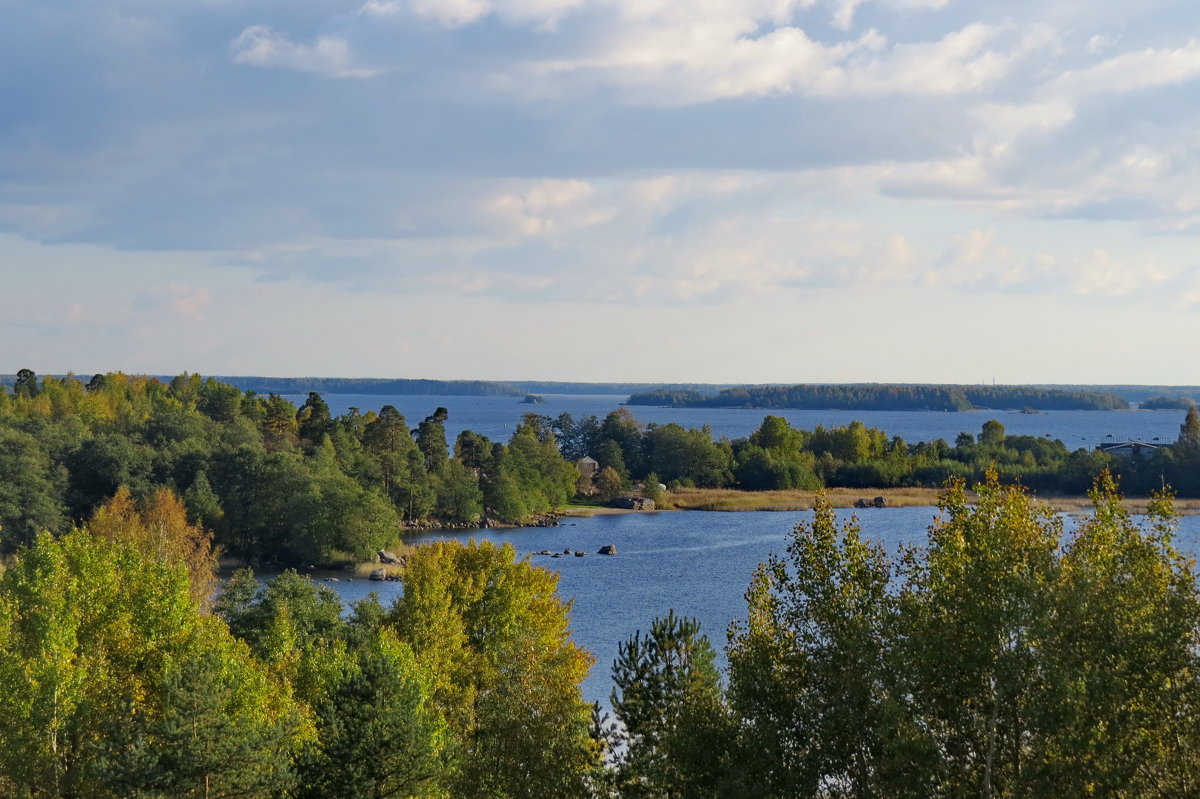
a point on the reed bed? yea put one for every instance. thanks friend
(728, 499)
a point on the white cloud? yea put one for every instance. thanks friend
(548, 206)
(666, 60)
(260, 46)
(1131, 71)
(844, 10)
(190, 302)
(1099, 272)
(543, 14)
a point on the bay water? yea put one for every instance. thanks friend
(698, 563)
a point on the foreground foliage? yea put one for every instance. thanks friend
(1006, 658)
(114, 682)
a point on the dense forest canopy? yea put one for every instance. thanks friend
(273, 481)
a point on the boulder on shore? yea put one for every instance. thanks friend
(379, 574)
(633, 503)
(607, 549)
(387, 557)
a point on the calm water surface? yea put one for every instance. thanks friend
(697, 562)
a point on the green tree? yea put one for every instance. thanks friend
(459, 497)
(673, 721)
(1116, 708)
(809, 674)
(203, 504)
(983, 583)
(26, 384)
(431, 440)
(992, 434)
(608, 484)
(1188, 444)
(493, 634)
(31, 490)
(219, 726)
(377, 732)
(94, 635)
(313, 419)
(387, 439)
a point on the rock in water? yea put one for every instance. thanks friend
(607, 549)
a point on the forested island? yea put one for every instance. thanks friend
(886, 397)
(280, 483)
(1167, 404)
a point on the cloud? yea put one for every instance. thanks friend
(625, 151)
(1130, 71)
(844, 10)
(547, 207)
(260, 46)
(544, 14)
(190, 302)
(663, 58)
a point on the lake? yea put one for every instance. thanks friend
(497, 417)
(697, 562)
(700, 563)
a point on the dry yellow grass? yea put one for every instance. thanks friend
(727, 499)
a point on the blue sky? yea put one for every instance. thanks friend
(682, 190)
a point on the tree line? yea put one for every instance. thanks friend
(282, 483)
(273, 481)
(777, 456)
(886, 397)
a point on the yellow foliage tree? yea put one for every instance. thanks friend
(158, 527)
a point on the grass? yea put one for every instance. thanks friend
(586, 511)
(728, 499)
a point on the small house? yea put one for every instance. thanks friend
(1128, 449)
(588, 466)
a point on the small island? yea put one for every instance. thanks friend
(1167, 404)
(533, 399)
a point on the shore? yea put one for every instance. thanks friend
(732, 500)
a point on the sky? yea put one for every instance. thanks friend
(759, 191)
